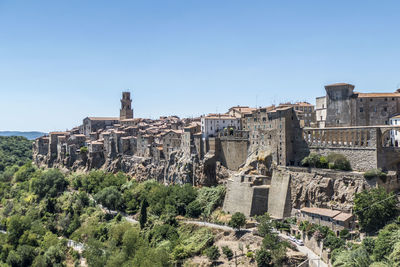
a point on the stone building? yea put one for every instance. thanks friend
(320, 111)
(212, 124)
(304, 110)
(344, 107)
(189, 134)
(276, 131)
(171, 141)
(333, 219)
(395, 134)
(93, 124)
(126, 111)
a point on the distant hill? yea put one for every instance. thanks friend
(28, 135)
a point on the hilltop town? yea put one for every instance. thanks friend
(265, 156)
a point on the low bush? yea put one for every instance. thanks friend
(212, 253)
(378, 173)
(227, 252)
(338, 162)
(333, 161)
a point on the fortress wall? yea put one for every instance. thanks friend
(260, 200)
(279, 204)
(233, 153)
(238, 197)
(361, 159)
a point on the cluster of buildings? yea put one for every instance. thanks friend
(287, 131)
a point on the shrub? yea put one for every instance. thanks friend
(263, 258)
(212, 253)
(193, 210)
(323, 163)
(344, 233)
(374, 173)
(340, 162)
(333, 242)
(238, 220)
(84, 150)
(227, 252)
(250, 255)
(311, 160)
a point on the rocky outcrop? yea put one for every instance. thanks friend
(330, 189)
(178, 169)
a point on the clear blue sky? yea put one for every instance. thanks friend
(61, 61)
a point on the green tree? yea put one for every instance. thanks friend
(265, 225)
(263, 258)
(358, 257)
(238, 220)
(384, 244)
(394, 257)
(49, 183)
(131, 242)
(143, 213)
(194, 209)
(109, 197)
(374, 208)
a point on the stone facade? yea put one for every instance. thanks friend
(247, 194)
(345, 108)
(126, 111)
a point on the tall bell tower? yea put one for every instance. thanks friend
(126, 111)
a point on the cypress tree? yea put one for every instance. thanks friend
(143, 213)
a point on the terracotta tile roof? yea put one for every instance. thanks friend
(58, 133)
(103, 119)
(371, 95)
(343, 217)
(321, 211)
(242, 109)
(220, 116)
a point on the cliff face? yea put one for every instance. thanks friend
(178, 169)
(330, 189)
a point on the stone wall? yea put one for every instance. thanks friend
(361, 159)
(279, 205)
(233, 152)
(247, 194)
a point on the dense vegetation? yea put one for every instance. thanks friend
(41, 209)
(14, 150)
(375, 209)
(272, 251)
(332, 161)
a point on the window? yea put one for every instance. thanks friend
(370, 99)
(361, 109)
(385, 109)
(360, 99)
(385, 99)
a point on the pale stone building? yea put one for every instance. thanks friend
(212, 124)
